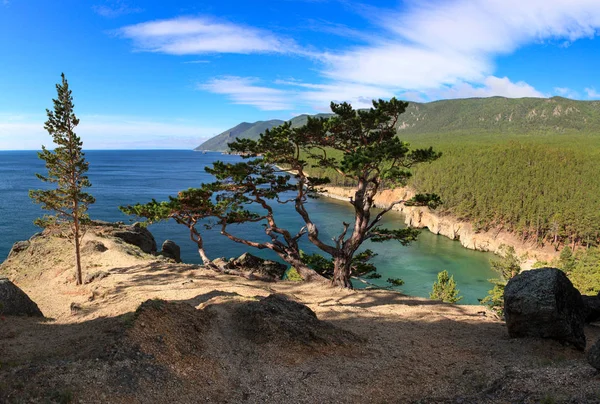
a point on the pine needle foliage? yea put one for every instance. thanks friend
(67, 170)
(445, 289)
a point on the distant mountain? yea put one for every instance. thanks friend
(243, 130)
(502, 115)
(471, 115)
(247, 130)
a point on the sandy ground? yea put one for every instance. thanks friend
(93, 348)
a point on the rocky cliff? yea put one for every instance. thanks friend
(451, 227)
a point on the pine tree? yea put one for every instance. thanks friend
(360, 146)
(67, 169)
(445, 289)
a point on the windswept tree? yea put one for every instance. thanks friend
(189, 208)
(360, 146)
(67, 169)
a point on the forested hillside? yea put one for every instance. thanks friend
(527, 165)
(249, 131)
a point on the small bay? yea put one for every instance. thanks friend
(129, 176)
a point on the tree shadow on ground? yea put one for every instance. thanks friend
(443, 357)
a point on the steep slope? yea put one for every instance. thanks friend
(247, 130)
(243, 130)
(502, 115)
(494, 115)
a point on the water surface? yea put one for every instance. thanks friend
(127, 177)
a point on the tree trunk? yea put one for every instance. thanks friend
(205, 259)
(78, 275)
(341, 273)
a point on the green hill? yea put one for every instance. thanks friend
(483, 116)
(243, 130)
(248, 130)
(502, 115)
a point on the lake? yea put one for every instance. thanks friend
(128, 176)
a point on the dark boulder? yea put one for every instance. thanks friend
(15, 302)
(592, 308)
(259, 266)
(171, 250)
(593, 355)
(18, 247)
(543, 303)
(137, 235)
(277, 319)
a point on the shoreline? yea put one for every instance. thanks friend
(451, 227)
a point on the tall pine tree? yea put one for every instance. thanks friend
(67, 169)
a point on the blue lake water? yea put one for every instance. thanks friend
(126, 177)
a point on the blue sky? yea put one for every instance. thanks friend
(158, 74)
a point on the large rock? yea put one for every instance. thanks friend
(593, 355)
(257, 265)
(14, 302)
(543, 303)
(137, 235)
(277, 319)
(592, 308)
(171, 250)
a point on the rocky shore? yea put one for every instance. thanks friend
(451, 227)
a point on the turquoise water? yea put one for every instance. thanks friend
(127, 177)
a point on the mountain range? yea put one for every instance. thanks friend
(473, 115)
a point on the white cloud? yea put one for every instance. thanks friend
(566, 92)
(422, 50)
(246, 91)
(491, 86)
(436, 44)
(592, 93)
(115, 9)
(105, 132)
(202, 35)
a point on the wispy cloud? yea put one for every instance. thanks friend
(105, 132)
(248, 91)
(203, 35)
(592, 93)
(423, 50)
(566, 92)
(114, 9)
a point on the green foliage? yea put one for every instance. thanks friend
(567, 261)
(525, 165)
(190, 208)
(585, 272)
(360, 146)
(445, 289)
(67, 170)
(292, 275)
(495, 297)
(66, 164)
(507, 266)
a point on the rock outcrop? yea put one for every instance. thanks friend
(593, 355)
(15, 302)
(543, 303)
(136, 235)
(257, 265)
(446, 225)
(592, 308)
(171, 250)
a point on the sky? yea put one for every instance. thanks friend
(171, 74)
